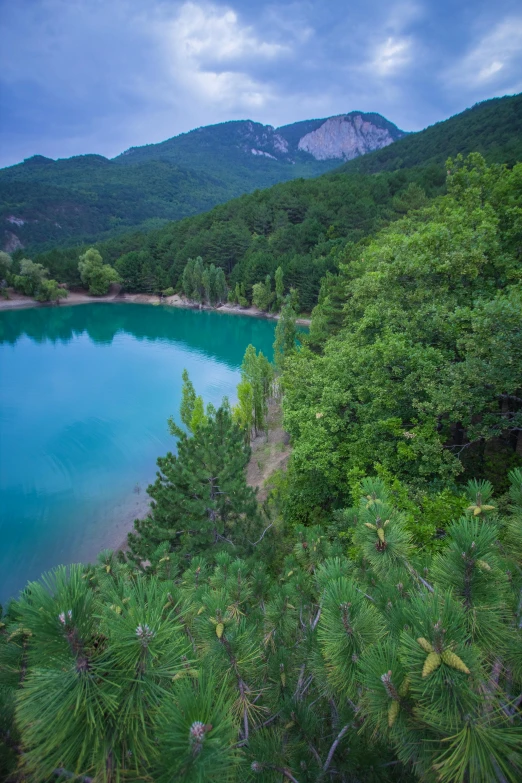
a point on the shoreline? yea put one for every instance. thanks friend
(21, 302)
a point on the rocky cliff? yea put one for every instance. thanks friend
(346, 137)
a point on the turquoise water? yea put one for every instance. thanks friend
(85, 393)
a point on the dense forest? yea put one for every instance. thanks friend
(303, 226)
(364, 622)
(493, 128)
(87, 197)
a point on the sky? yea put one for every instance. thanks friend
(100, 76)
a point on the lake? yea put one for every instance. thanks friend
(85, 393)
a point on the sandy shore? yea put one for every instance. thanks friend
(19, 302)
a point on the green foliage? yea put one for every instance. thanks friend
(492, 128)
(417, 370)
(96, 275)
(204, 283)
(257, 371)
(188, 403)
(285, 334)
(200, 494)
(262, 294)
(299, 226)
(379, 641)
(294, 661)
(50, 291)
(243, 412)
(279, 287)
(6, 263)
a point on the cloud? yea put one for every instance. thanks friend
(496, 57)
(390, 56)
(82, 76)
(210, 54)
(214, 34)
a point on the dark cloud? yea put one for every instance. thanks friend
(101, 75)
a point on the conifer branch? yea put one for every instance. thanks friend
(286, 772)
(416, 575)
(316, 619)
(334, 747)
(262, 535)
(315, 754)
(64, 773)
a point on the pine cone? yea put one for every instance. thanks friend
(431, 663)
(424, 643)
(405, 686)
(370, 526)
(451, 659)
(219, 630)
(483, 565)
(393, 711)
(380, 533)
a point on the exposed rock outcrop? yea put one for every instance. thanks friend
(345, 137)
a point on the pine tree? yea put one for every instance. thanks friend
(257, 371)
(188, 278)
(243, 412)
(279, 287)
(221, 286)
(207, 287)
(286, 334)
(188, 402)
(198, 291)
(201, 493)
(295, 662)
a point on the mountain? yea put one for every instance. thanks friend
(306, 226)
(493, 128)
(44, 202)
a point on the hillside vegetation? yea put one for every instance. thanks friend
(302, 226)
(493, 128)
(45, 202)
(364, 622)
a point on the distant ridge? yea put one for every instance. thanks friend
(45, 202)
(492, 127)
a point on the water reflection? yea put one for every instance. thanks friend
(103, 321)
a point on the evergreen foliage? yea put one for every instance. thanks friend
(204, 283)
(200, 497)
(492, 128)
(88, 198)
(308, 665)
(257, 372)
(285, 334)
(365, 623)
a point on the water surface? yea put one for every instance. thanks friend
(85, 393)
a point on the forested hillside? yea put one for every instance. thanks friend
(364, 623)
(493, 128)
(44, 202)
(301, 226)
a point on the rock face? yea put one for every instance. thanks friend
(345, 137)
(336, 138)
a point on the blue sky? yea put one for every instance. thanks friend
(100, 76)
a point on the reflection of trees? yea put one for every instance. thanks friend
(220, 335)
